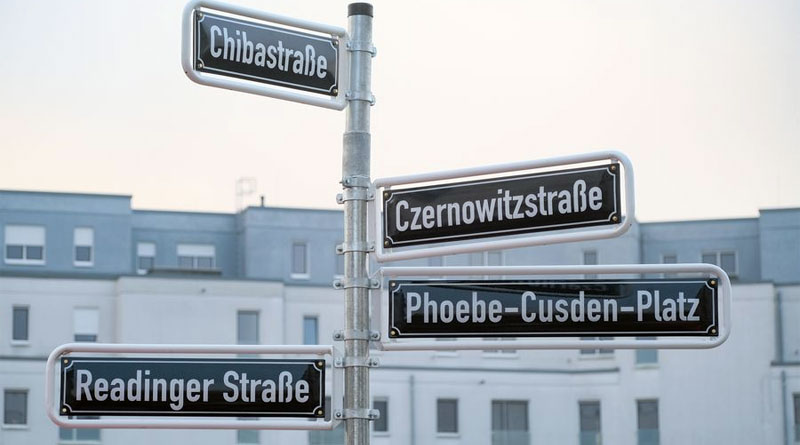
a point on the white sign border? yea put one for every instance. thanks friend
(688, 342)
(52, 388)
(338, 102)
(535, 239)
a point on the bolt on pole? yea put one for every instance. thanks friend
(356, 175)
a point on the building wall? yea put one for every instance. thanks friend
(738, 393)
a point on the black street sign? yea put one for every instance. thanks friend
(95, 386)
(509, 205)
(264, 53)
(545, 308)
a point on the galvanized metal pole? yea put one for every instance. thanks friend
(356, 182)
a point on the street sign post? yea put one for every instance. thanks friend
(576, 203)
(257, 52)
(691, 312)
(173, 389)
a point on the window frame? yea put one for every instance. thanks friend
(718, 260)
(584, 252)
(599, 430)
(307, 263)
(316, 328)
(383, 419)
(75, 261)
(439, 432)
(23, 425)
(139, 255)
(239, 313)
(27, 339)
(25, 261)
(194, 256)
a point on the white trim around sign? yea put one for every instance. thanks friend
(53, 387)
(338, 102)
(535, 239)
(688, 342)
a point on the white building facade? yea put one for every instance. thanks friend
(89, 268)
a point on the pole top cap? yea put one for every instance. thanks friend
(359, 9)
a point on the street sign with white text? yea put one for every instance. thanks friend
(264, 53)
(554, 200)
(549, 308)
(113, 386)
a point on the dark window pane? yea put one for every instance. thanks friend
(310, 335)
(590, 257)
(728, 262)
(381, 424)
(646, 356)
(647, 411)
(88, 338)
(186, 262)
(87, 434)
(14, 252)
(435, 261)
(494, 258)
(20, 324)
(66, 434)
(34, 252)
(670, 259)
(447, 416)
(247, 436)
(796, 417)
(710, 258)
(299, 258)
(146, 262)
(205, 262)
(15, 407)
(247, 328)
(83, 253)
(589, 416)
(509, 415)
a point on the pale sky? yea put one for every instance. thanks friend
(703, 96)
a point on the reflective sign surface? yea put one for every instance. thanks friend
(555, 200)
(543, 308)
(264, 53)
(192, 387)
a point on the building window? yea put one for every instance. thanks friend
(447, 416)
(86, 324)
(247, 328)
(310, 331)
(599, 351)
(339, 263)
(500, 352)
(646, 356)
(381, 425)
(83, 238)
(196, 256)
(145, 257)
(24, 244)
(669, 259)
(590, 259)
(726, 260)
(590, 423)
(510, 422)
(327, 437)
(796, 398)
(435, 261)
(15, 407)
(19, 324)
(79, 434)
(299, 260)
(647, 421)
(247, 436)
